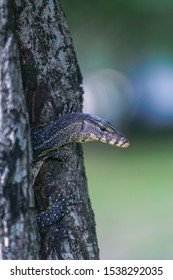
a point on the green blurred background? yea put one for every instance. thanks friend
(125, 52)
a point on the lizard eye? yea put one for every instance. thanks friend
(103, 129)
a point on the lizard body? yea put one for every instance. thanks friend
(48, 140)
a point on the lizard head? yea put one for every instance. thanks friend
(97, 129)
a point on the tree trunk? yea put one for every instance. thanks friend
(17, 222)
(52, 83)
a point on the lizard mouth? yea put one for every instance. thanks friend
(124, 143)
(120, 142)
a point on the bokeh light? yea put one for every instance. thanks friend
(108, 93)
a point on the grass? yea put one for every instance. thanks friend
(132, 196)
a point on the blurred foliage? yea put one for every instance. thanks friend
(133, 38)
(124, 30)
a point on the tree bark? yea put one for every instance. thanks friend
(52, 83)
(18, 236)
